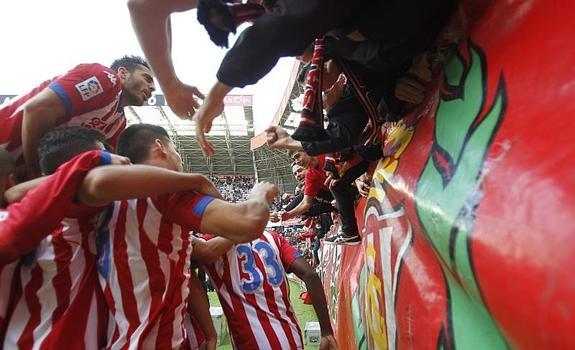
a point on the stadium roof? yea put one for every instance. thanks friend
(230, 135)
(237, 151)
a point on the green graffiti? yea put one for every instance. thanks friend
(356, 310)
(449, 191)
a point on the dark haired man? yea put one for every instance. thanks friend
(145, 246)
(90, 95)
(61, 306)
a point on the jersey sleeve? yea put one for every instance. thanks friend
(27, 222)
(288, 253)
(87, 87)
(184, 208)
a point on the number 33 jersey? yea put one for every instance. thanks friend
(253, 289)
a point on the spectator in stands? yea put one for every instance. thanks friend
(394, 31)
(339, 136)
(314, 182)
(342, 191)
(233, 188)
(320, 201)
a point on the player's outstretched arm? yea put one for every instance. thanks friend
(306, 273)
(17, 192)
(207, 252)
(240, 222)
(116, 182)
(151, 23)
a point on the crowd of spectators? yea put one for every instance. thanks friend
(234, 188)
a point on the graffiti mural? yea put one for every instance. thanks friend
(447, 193)
(449, 189)
(467, 233)
(387, 237)
(329, 270)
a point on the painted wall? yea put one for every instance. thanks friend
(469, 229)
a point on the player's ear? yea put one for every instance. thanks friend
(123, 73)
(159, 145)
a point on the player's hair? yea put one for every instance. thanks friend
(130, 62)
(135, 141)
(60, 145)
(7, 164)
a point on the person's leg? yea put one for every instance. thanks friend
(345, 198)
(319, 207)
(316, 250)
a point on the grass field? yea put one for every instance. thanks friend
(304, 313)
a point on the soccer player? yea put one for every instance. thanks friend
(61, 305)
(145, 245)
(89, 95)
(253, 288)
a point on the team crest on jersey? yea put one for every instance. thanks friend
(112, 77)
(3, 215)
(89, 88)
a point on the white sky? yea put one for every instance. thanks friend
(42, 39)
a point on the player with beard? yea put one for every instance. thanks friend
(89, 95)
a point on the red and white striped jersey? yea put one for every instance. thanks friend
(91, 94)
(54, 279)
(144, 260)
(61, 305)
(194, 335)
(7, 292)
(7, 285)
(253, 289)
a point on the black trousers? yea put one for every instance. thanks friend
(344, 194)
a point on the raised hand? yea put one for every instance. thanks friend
(183, 99)
(212, 107)
(270, 190)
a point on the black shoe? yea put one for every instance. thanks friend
(341, 238)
